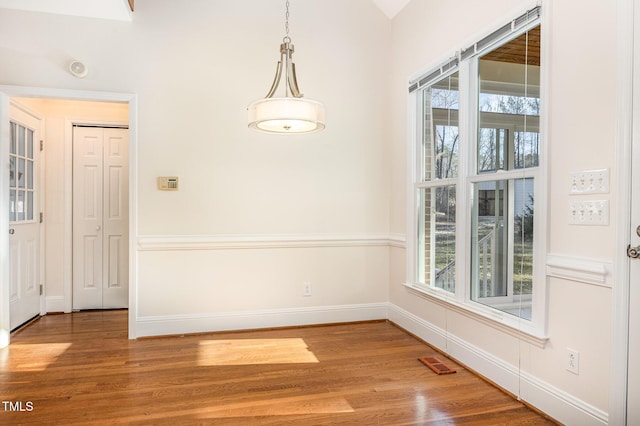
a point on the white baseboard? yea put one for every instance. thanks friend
(547, 398)
(226, 321)
(54, 304)
(426, 331)
(569, 409)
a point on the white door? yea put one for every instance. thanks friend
(633, 380)
(24, 216)
(633, 365)
(100, 218)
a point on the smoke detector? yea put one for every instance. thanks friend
(78, 69)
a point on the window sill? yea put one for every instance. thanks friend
(522, 329)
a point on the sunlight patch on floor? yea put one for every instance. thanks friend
(271, 407)
(41, 355)
(254, 351)
(279, 407)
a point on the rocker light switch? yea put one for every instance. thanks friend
(168, 183)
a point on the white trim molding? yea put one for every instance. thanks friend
(398, 241)
(587, 271)
(542, 395)
(55, 304)
(242, 241)
(626, 78)
(268, 318)
(504, 322)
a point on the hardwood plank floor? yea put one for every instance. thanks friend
(81, 369)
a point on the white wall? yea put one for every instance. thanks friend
(581, 136)
(320, 200)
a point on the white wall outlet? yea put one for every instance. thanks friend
(573, 361)
(589, 212)
(589, 182)
(306, 289)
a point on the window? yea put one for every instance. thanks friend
(437, 189)
(508, 145)
(21, 174)
(478, 176)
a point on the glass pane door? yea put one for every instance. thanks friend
(21, 174)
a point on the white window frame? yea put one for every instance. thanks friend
(534, 330)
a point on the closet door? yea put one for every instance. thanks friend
(100, 218)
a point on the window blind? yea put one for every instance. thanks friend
(502, 33)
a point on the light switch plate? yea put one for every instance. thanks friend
(589, 212)
(589, 182)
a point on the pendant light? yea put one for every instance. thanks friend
(292, 113)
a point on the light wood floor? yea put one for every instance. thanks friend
(81, 369)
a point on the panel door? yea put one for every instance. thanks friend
(100, 218)
(115, 272)
(24, 223)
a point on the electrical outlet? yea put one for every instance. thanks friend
(306, 289)
(573, 361)
(589, 182)
(589, 212)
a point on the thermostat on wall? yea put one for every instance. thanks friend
(168, 183)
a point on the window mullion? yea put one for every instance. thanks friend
(532, 172)
(436, 183)
(466, 122)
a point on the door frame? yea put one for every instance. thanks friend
(622, 280)
(6, 92)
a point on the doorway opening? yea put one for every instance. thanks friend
(61, 110)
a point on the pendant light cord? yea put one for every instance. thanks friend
(286, 23)
(287, 41)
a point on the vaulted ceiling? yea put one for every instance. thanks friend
(121, 9)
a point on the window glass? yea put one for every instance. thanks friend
(30, 143)
(12, 146)
(438, 237)
(12, 205)
(437, 193)
(21, 141)
(441, 137)
(502, 245)
(21, 174)
(20, 205)
(509, 105)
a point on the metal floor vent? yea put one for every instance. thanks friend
(436, 365)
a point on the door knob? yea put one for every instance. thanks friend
(12, 231)
(98, 228)
(633, 252)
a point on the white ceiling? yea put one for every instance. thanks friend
(106, 9)
(119, 9)
(391, 7)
